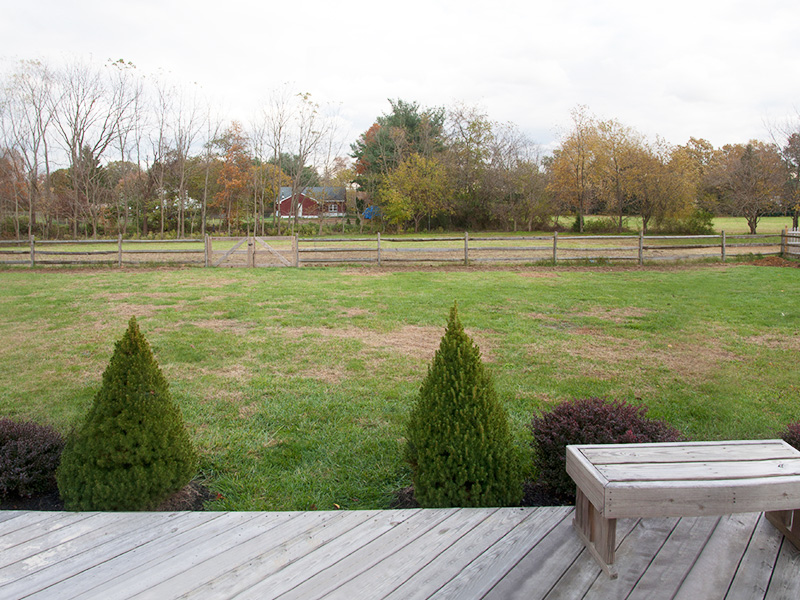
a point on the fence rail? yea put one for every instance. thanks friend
(293, 251)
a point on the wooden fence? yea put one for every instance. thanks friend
(790, 245)
(553, 248)
(465, 249)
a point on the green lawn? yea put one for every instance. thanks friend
(296, 383)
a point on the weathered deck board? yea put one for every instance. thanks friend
(713, 571)
(508, 553)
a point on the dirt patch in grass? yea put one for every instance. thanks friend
(615, 315)
(127, 310)
(355, 312)
(410, 340)
(775, 342)
(603, 356)
(225, 326)
(324, 374)
(127, 295)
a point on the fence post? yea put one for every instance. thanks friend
(555, 247)
(784, 240)
(251, 252)
(466, 248)
(206, 248)
(296, 248)
(379, 248)
(723, 245)
(33, 252)
(119, 250)
(641, 247)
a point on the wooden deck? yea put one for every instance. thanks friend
(530, 553)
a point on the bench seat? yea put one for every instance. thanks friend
(681, 479)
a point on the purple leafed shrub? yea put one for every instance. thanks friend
(29, 456)
(791, 435)
(589, 421)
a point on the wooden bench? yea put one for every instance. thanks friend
(682, 479)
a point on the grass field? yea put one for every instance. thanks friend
(730, 225)
(296, 383)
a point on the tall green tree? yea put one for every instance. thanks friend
(407, 129)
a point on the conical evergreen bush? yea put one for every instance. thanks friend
(458, 439)
(132, 450)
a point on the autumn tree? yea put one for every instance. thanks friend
(617, 147)
(573, 163)
(696, 158)
(234, 177)
(416, 189)
(752, 178)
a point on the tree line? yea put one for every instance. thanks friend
(459, 168)
(91, 150)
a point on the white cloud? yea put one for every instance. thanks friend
(714, 69)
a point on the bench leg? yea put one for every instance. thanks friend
(788, 523)
(597, 533)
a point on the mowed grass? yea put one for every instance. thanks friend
(296, 383)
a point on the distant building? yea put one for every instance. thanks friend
(313, 202)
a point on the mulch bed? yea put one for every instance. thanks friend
(534, 494)
(775, 261)
(192, 497)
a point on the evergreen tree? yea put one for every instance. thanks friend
(459, 443)
(132, 450)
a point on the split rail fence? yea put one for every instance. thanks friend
(291, 251)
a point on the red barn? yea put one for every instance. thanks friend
(306, 207)
(314, 202)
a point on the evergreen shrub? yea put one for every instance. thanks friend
(132, 449)
(458, 440)
(29, 456)
(588, 421)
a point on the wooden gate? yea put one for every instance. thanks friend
(253, 251)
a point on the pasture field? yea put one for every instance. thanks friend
(296, 383)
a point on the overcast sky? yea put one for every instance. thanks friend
(713, 69)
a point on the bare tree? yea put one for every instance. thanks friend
(277, 119)
(212, 124)
(89, 113)
(310, 129)
(160, 147)
(29, 112)
(186, 128)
